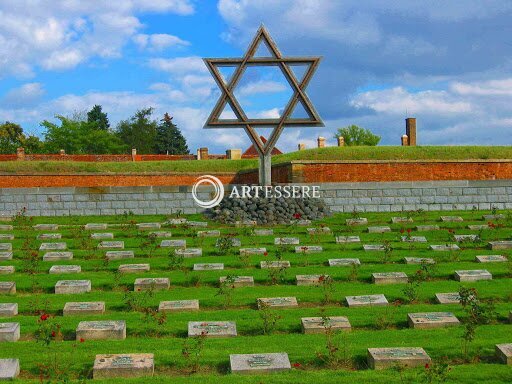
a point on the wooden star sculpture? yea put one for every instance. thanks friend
(227, 96)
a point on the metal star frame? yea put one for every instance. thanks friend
(242, 121)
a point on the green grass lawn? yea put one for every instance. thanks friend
(371, 326)
(328, 153)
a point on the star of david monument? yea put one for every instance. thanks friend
(286, 119)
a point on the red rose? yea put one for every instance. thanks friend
(408, 230)
(44, 317)
(427, 366)
(265, 253)
(54, 334)
(82, 340)
(401, 230)
(296, 365)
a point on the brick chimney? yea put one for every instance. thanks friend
(410, 130)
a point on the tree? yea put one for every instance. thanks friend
(100, 118)
(80, 137)
(169, 139)
(355, 135)
(11, 137)
(139, 131)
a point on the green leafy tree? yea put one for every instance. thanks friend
(355, 135)
(139, 131)
(100, 118)
(11, 137)
(80, 137)
(169, 139)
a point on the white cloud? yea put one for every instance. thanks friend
(179, 65)
(60, 35)
(25, 95)
(501, 87)
(262, 86)
(158, 41)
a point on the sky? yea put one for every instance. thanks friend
(447, 63)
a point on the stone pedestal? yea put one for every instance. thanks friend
(101, 330)
(259, 363)
(9, 369)
(123, 365)
(381, 358)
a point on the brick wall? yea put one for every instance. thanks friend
(342, 197)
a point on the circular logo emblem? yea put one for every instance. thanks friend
(218, 195)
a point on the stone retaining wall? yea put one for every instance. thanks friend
(342, 197)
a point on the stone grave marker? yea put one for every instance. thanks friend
(234, 242)
(414, 239)
(173, 244)
(209, 267)
(148, 226)
(197, 223)
(9, 332)
(381, 229)
(59, 269)
(118, 255)
(461, 238)
(160, 234)
(448, 298)
(155, 283)
(8, 309)
(373, 247)
(246, 223)
(111, 245)
(473, 275)
(389, 278)
(7, 270)
(319, 324)
(381, 358)
(211, 233)
(239, 281)
(252, 251)
(347, 239)
(503, 244)
(452, 219)
(123, 365)
(6, 227)
(178, 221)
(401, 220)
(101, 330)
(212, 328)
(263, 232)
(498, 216)
(84, 308)
(308, 249)
(4, 256)
(102, 236)
(9, 369)
(366, 300)
(46, 227)
(301, 222)
(178, 305)
(72, 286)
(266, 264)
(427, 228)
(57, 256)
(445, 247)
(258, 363)
(189, 252)
(310, 279)
(95, 226)
(478, 227)
(49, 236)
(133, 268)
(53, 246)
(286, 241)
(358, 221)
(432, 320)
(319, 231)
(277, 302)
(7, 287)
(491, 259)
(5, 247)
(343, 262)
(6, 236)
(419, 260)
(504, 353)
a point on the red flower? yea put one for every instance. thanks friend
(82, 340)
(401, 230)
(321, 278)
(296, 365)
(54, 334)
(297, 216)
(265, 253)
(44, 317)
(408, 230)
(427, 366)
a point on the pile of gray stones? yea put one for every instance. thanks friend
(268, 210)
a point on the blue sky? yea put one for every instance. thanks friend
(447, 63)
